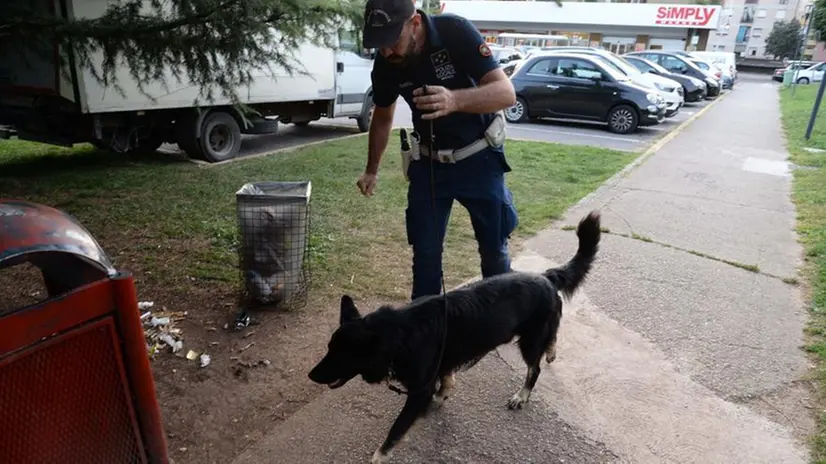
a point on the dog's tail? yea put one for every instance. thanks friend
(568, 277)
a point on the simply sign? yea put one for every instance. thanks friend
(684, 15)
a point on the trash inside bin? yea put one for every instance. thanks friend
(274, 219)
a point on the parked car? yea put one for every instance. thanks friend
(725, 79)
(694, 89)
(582, 87)
(793, 65)
(504, 55)
(680, 65)
(811, 74)
(726, 61)
(671, 90)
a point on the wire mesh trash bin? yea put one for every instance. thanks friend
(274, 223)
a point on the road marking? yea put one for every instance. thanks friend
(575, 134)
(764, 166)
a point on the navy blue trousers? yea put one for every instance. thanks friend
(478, 184)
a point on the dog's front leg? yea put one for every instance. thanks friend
(415, 407)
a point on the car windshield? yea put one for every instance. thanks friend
(702, 64)
(608, 63)
(621, 64)
(652, 64)
(499, 53)
(691, 64)
(611, 69)
(625, 62)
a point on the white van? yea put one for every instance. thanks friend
(723, 60)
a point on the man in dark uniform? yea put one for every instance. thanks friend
(465, 91)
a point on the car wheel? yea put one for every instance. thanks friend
(518, 112)
(366, 115)
(803, 80)
(622, 119)
(220, 137)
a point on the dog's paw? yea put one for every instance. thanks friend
(438, 401)
(379, 458)
(519, 399)
(550, 355)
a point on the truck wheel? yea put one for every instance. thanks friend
(366, 115)
(185, 136)
(220, 137)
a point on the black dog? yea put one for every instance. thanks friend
(433, 337)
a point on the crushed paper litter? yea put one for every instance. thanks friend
(159, 329)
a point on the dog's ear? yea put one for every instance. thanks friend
(349, 311)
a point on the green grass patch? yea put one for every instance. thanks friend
(809, 194)
(175, 221)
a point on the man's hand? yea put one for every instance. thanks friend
(438, 102)
(367, 183)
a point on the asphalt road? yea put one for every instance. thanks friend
(288, 135)
(567, 132)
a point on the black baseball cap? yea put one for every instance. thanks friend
(384, 20)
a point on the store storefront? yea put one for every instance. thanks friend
(619, 27)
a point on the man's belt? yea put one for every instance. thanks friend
(454, 156)
(494, 137)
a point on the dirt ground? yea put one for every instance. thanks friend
(257, 376)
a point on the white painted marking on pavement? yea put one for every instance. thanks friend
(575, 134)
(764, 166)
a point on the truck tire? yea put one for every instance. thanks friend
(185, 136)
(366, 115)
(220, 137)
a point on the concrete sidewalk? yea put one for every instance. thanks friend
(675, 350)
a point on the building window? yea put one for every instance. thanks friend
(748, 15)
(575, 39)
(783, 2)
(780, 15)
(743, 34)
(757, 32)
(761, 13)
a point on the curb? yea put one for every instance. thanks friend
(205, 164)
(653, 148)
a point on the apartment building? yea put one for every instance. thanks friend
(746, 24)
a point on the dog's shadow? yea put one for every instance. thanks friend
(475, 425)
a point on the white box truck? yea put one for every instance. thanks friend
(38, 103)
